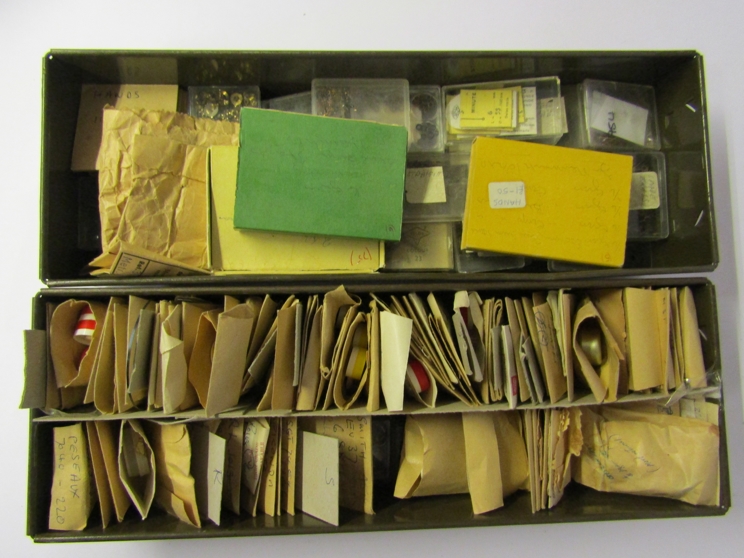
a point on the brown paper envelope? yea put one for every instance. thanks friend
(343, 400)
(482, 462)
(139, 486)
(567, 303)
(527, 355)
(307, 392)
(135, 305)
(433, 457)
(643, 345)
(267, 316)
(174, 489)
(71, 397)
(208, 470)
(691, 346)
(140, 352)
(676, 343)
(232, 430)
(307, 323)
(191, 312)
(99, 473)
(603, 385)
(279, 472)
(565, 443)
(261, 364)
(282, 397)
(289, 463)
(154, 380)
(178, 392)
(72, 499)
(255, 438)
(516, 335)
(52, 394)
(609, 304)
(512, 451)
(355, 443)
(494, 318)
(509, 368)
(373, 335)
(65, 351)
(265, 403)
(425, 337)
(108, 438)
(529, 314)
(230, 302)
(230, 349)
(267, 501)
(121, 341)
(686, 451)
(332, 302)
(103, 391)
(200, 364)
(336, 360)
(442, 326)
(530, 416)
(664, 312)
(554, 377)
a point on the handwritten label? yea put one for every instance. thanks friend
(644, 191)
(619, 118)
(506, 195)
(255, 439)
(488, 108)
(425, 185)
(93, 98)
(71, 499)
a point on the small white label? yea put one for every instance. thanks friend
(619, 118)
(644, 191)
(425, 185)
(506, 195)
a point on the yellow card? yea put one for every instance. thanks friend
(547, 202)
(488, 108)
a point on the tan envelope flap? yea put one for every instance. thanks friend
(555, 379)
(105, 365)
(339, 395)
(200, 365)
(109, 442)
(234, 329)
(307, 392)
(332, 302)
(691, 345)
(105, 502)
(174, 488)
(512, 451)
(232, 430)
(282, 397)
(141, 486)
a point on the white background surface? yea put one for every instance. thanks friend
(29, 28)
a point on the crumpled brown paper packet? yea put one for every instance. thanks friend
(120, 172)
(649, 454)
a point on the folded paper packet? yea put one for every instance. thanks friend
(145, 156)
(649, 454)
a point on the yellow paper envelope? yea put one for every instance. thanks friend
(247, 251)
(547, 202)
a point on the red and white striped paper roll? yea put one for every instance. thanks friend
(85, 327)
(417, 376)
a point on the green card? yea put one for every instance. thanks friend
(319, 175)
